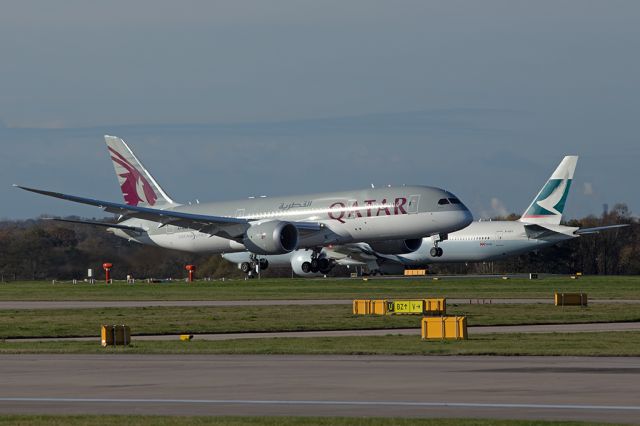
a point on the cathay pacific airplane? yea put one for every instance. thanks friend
(538, 227)
(271, 226)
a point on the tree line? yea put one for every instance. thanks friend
(38, 249)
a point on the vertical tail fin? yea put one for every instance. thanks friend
(548, 206)
(139, 188)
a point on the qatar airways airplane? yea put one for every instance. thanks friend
(271, 226)
(539, 227)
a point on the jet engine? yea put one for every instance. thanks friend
(396, 246)
(274, 237)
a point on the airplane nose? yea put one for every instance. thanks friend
(466, 217)
(455, 220)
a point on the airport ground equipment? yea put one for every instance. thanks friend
(370, 307)
(115, 335)
(427, 307)
(186, 337)
(415, 272)
(444, 328)
(435, 306)
(192, 270)
(570, 299)
(107, 271)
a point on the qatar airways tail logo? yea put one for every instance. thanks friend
(135, 187)
(340, 210)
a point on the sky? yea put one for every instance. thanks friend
(228, 99)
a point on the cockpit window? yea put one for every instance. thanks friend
(454, 201)
(443, 201)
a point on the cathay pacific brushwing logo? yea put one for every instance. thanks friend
(552, 198)
(135, 187)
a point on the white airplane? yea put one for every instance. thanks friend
(538, 227)
(271, 226)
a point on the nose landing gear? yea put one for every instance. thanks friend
(435, 250)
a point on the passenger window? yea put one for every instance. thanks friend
(443, 201)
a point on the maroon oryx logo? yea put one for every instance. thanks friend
(135, 187)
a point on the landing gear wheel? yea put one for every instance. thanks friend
(434, 252)
(306, 267)
(323, 264)
(315, 263)
(245, 267)
(264, 264)
(440, 251)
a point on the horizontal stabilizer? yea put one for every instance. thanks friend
(597, 229)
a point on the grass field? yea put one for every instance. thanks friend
(264, 421)
(544, 344)
(613, 287)
(178, 320)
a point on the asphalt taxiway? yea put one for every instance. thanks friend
(81, 304)
(559, 388)
(536, 328)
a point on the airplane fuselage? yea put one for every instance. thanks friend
(368, 215)
(484, 241)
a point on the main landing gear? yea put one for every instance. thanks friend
(317, 264)
(435, 250)
(254, 265)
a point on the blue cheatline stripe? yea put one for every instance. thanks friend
(311, 402)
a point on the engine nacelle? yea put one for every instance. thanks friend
(275, 237)
(397, 246)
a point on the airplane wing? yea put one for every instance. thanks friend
(597, 229)
(225, 227)
(356, 254)
(94, 223)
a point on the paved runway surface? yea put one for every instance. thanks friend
(596, 389)
(217, 303)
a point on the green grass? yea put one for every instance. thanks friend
(544, 344)
(178, 320)
(613, 287)
(265, 421)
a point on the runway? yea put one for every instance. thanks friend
(559, 388)
(71, 304)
